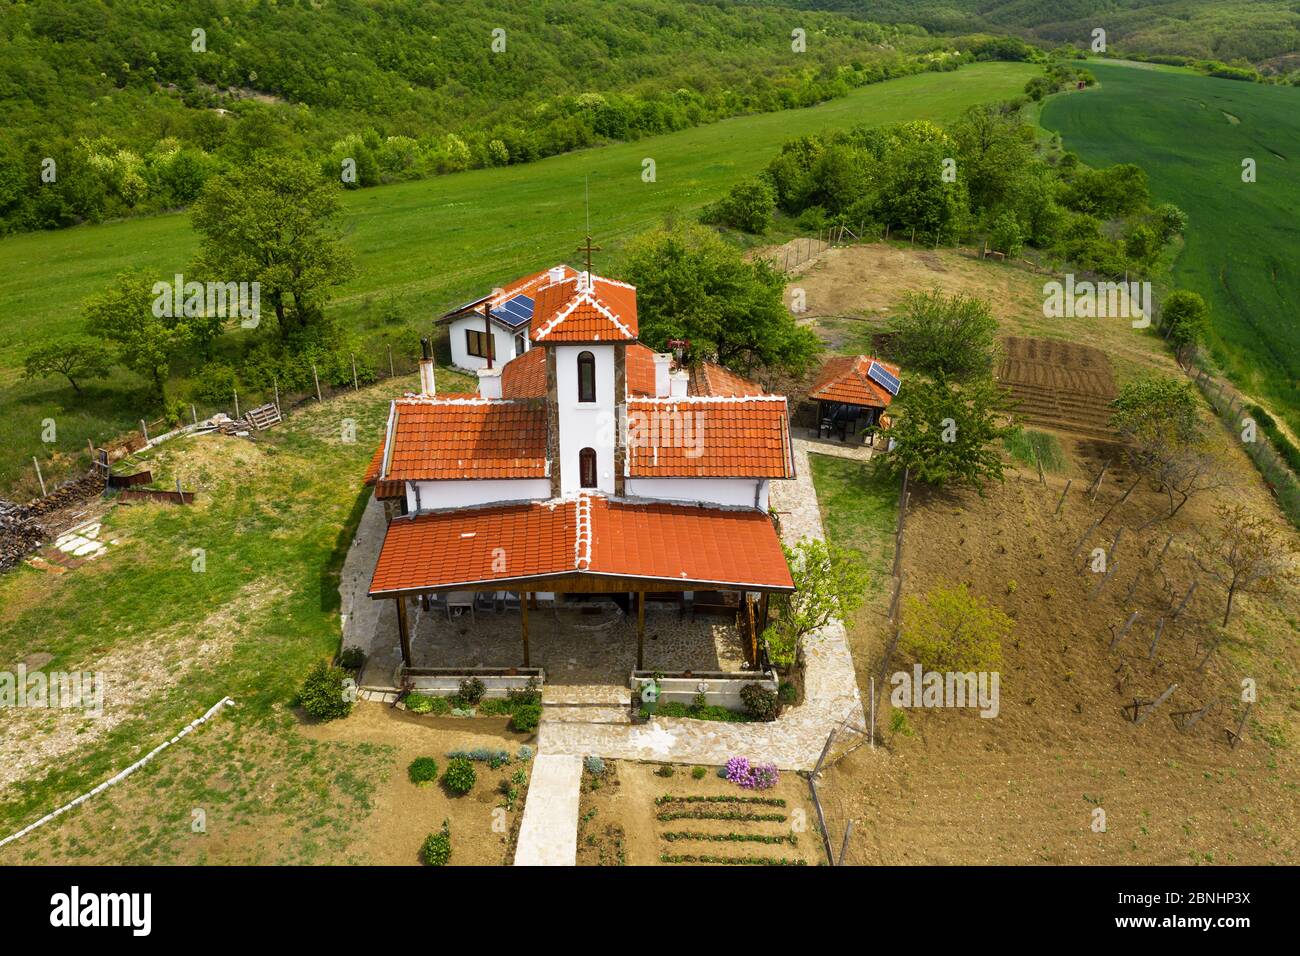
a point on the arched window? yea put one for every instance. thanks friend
(587, 468)
(586, 377)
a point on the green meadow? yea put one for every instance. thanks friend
(427, 244)
(1242, 252)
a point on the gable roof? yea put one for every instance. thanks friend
(844, 379)
(587, 535)
(496, 303)
(708, 437)
(464, 436)
(525, 376)
(572, 310)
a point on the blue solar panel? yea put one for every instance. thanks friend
(881, 376)
(516, 312)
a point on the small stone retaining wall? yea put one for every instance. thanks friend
(445, 681)
(720, 688)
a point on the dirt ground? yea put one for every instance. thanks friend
(618, 818)
(950, 787)
(405, 813)
(849, 291)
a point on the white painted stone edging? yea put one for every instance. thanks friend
(184, 731)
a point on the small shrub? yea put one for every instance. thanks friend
(595, 765)
(418, 703)
(436, 850)
(525, 719)
(664, 770)
(519, 777)
(898, 723)
(698, 773)
(525, 753)
(460, 775)
(323, 695)
(423, 770)
(760, 703)
(787, 693)
(352, 658)
(472, 690)
(762, 776)
(526, 696)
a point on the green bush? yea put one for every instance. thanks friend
(760, 703)
(699, 773)
(324, 695)
(472, 690)
(423, 770)
(215, 385)
(436, 850)
(664, 770)
(419, 703)
(526, 718)
(459, 776)
(352, 658)
(787, 692)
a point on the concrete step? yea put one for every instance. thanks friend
(585, 714)
(610, 695)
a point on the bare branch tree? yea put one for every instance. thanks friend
(1247, 554)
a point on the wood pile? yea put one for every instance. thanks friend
(21, 528)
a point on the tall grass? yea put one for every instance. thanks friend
(1028, 447)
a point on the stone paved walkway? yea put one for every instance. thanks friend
(795, 739)
(548, 833)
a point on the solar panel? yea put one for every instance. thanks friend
(882, 377)
(516, 312)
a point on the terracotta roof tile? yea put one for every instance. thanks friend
(466, 437)
(705, 437)
(525, 376)
(606, 312)
(710, 379)
(844, 379)
(587, 535)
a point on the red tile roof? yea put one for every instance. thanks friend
(587, 535)
(525, 376)
(703, 437)
(844, 379)
(383, 489)
(564, 312)
(466, 437)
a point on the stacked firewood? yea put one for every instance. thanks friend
(21, 527)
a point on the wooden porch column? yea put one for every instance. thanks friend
(403, 630)
(523, 622)
(640, 630)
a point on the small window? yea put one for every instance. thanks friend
(587, 468)
(587, 378)
(521, 346)
(480, 344)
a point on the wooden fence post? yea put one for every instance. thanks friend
(39, 477)
(316, 378)
(1068, 482)
(194, 413)
(144, 430)
(391, 373)
(275, 384)
(235, 392)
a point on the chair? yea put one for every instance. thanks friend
(510, 600)
(485, 601)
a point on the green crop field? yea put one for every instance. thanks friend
(430, 243)
(1191, 134)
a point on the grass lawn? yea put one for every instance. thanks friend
(1029, 446)
(859, 509)
(429, 244)
(272, 524)
(1242, 252)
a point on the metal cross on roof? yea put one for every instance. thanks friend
(588, 248)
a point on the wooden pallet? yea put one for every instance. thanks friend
(263, 417)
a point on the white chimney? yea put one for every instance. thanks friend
(678, 381)
(489, 382)
(584, 281)
(427, 385)
(557, 274)
(663, 365)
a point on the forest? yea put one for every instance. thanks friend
(122, 107)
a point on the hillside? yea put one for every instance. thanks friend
(1258, 31)
(423, 246)
(137, 102)
(1191, 133)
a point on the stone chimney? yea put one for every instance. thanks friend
(677, 382)
(663, 366)
(489, 382)
(427, 386)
